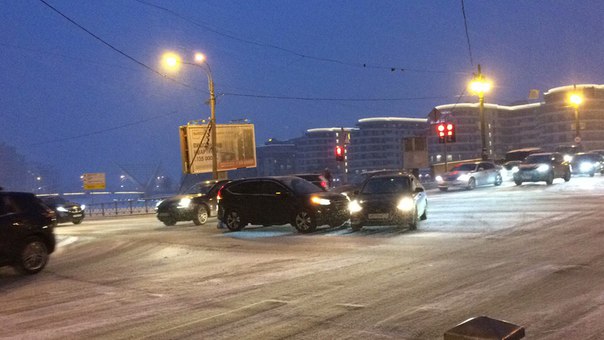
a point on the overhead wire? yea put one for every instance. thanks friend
(465, 22)
(286, 50)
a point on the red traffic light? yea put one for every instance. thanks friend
(339, 153)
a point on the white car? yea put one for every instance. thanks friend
(470, 175)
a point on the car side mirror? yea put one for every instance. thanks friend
(419, 189)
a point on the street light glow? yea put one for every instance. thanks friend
(200, 58)
(171, 61)
(480, 86)
(575, 99)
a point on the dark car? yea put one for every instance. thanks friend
(316, 179)
(389, 200)
(196, 204)
(469, 175)
(355, 181)
(280, 200)
(587, 163)
(65, 210)
(26, 232)
(544, 166)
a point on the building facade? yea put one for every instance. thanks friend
(547, 124)
(378, 143)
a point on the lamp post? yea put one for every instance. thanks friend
(576, 99)
(479, 85)
(173, 61)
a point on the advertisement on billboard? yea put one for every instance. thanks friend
(235, 147)
(94, 181)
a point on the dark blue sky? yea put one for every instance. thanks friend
(72, 102)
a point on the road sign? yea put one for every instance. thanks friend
(94, 181)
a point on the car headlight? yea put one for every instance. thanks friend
(586, 166)
(320, 201)
(515, 169)
(438, 178)
(83, 206)
(354, 206)
(61, 209)
(184, 202)
(543, 168)
(464, 178)
(406, 204)
(158, 203)
(568, 158)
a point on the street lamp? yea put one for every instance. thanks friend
(576, 99)
(173, 61)
(479, 85)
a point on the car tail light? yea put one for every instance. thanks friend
(219, 194)
(324, 185)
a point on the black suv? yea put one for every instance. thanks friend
(26, 232)
(280, 200)
(542, 167)
(65, 210)
(196, 204)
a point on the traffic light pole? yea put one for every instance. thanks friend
(445, 152)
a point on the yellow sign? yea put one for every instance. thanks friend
(94, 181)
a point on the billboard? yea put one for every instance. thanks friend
(94, 181)
(235, 147)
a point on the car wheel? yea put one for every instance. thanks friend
(304, 222)
(518, 182)
(170, 221)
(33, 256)
(443, 189)
(77, 221)
(566, 176)
(550, 179)
(233, 220)
(201, 215)
(498, 180)
(414, 220)
(356, 226)
(471, 184)
(424, 216)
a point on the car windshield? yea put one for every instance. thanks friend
(386, 185)
(200, 188)
(464, 167)
(301, 186)
(532, 159)
(54, 200)
(586, 157)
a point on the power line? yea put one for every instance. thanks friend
(282, 49)
(149, 68)
(224, 93)
(333, 99)
(465, 22)
(97, 132)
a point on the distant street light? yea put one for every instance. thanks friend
(173, 61)
(478, 86)
(576, 99)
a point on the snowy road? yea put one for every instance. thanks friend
(531, 255)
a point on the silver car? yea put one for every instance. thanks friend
(468, 175)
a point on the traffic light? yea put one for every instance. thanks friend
(339, 153)
(450, 128)
(446, 133)
(440, 130)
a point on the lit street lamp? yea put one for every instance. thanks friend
(173, 61)
(479, 85)
(576, 99)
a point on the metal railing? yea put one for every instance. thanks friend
(122, 208)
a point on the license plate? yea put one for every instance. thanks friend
(163, 214)
(77, 215)
(377, 216)
(526, 176)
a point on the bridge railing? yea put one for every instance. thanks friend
(120, 208)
